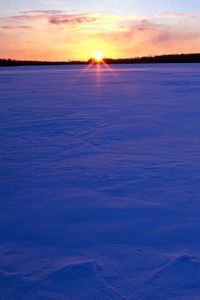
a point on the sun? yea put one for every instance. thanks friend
(98, 56)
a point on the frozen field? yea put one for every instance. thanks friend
(100, 183)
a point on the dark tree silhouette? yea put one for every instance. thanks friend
(169, 58)
(13, 62)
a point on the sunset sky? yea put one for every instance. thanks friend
(64, 29)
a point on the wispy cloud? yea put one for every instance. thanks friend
(22, 18)
(47, 12)
(58, 17)
(74, 19)
(177, 15)
(12, 27)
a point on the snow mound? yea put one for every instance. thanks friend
(78, 281)
(12, 286)
(180, 278)
(75, 281)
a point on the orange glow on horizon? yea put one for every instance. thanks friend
(95, 48)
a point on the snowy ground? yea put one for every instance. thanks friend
(100, 183)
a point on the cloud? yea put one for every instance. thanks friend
(145, 37)
(73, 19)
(10, 27)
(59, 17)
(43, 12)
(23, 18)
(176, 15)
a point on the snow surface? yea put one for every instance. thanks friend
(99, 174)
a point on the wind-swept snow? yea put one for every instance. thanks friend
(99, 175)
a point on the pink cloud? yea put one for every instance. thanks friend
(73, 19)
(10, 27)
(176, 15)
(57, 17)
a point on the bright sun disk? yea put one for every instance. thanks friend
(98, 56)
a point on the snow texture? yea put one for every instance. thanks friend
(99, 175)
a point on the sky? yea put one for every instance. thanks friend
(72, 30)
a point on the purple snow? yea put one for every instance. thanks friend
(100, 182)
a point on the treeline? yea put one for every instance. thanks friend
(159, 59)
(13, 62)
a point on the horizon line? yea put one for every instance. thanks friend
(162, 58)
(105, 58)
